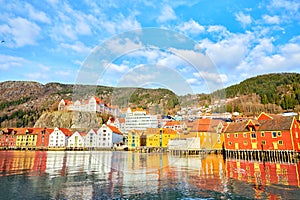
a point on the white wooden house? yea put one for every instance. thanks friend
(59, 137)
(76, 140)
(108, 136)
(90, 139)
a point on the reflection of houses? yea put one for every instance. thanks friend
(262, 174)
(94, 104)
(267, 133)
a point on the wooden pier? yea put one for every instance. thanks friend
(266, 155)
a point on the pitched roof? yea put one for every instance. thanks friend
(66, 131)
(98, 100)
(205, 125)
(67, 102)
(278, 123)
(114, 129)
(173, 123)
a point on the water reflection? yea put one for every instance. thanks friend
(107, 175)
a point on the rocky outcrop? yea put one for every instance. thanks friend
(68, 119)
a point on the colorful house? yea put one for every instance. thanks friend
(134, 139)
(76, 140)
(267, 132)
(90, 139)
(26, 137)
(8, 137)
(159, 137)
(209, 131)
(59, 137)
(42, 136)
(175, 125)
(108, 136)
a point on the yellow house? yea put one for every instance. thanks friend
(26, 137)
(159, 137)
(134, 139)
(209, 131)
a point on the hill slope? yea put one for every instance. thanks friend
(23, 102)
(282, 89)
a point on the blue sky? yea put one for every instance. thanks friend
(53, 40)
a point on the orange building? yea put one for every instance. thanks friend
(264, 133)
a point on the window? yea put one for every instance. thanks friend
(236, 135)
(262, 134)
(228, 135)
(263, 142)
(279, 134)
(297, 134)
(229, 143)
(245, 135)
(253, 135)
(280, 142)
(245, 143)
(274, 135)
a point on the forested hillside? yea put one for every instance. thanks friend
(280, 89)
(23, 102)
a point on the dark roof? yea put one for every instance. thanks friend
(276, 124)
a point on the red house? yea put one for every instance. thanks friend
(8, 138)
(42, 137)
(265, 133)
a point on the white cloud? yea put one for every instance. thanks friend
(23, 31)
(211, 77)
(120, 24)
(8, 62)
(117, 68)
(193, 81)
(271, 19)
(37, 15)
(78, 47)
(243, 19)
(82, 28)
(197, 59)
(289, 5)
(167, 13)
(216, 28)
(191, 27)
(122, 46)
(230, 51)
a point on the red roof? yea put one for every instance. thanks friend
(67, 102)
(66, 131)
(205, 125)
(173, 123)
(114, 129)
(98, 100)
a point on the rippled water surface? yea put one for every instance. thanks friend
(129, 175)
